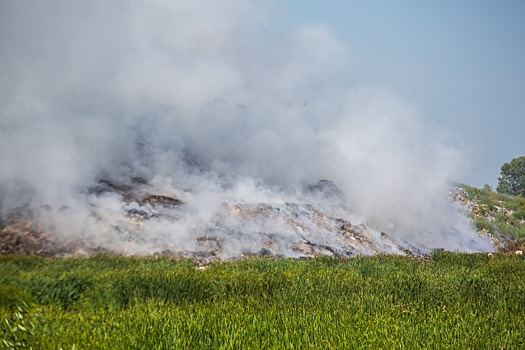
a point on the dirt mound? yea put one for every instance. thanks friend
(24, 236)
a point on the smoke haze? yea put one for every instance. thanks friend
(211, 104)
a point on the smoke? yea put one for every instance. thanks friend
(208, 102)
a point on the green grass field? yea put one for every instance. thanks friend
(448, 301)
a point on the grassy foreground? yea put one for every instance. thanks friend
(449, 301)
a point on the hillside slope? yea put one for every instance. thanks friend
(500, 216)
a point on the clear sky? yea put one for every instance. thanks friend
(460, 63)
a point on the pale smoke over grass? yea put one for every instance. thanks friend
(207, 97)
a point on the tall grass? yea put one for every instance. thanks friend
(449, 300)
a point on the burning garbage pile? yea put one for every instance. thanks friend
(151, 223)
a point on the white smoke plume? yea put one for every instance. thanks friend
(207, 102)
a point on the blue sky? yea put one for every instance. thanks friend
(460, 63)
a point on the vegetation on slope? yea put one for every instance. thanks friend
(447, 300)
(497, 214)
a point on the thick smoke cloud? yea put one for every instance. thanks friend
(208, 102)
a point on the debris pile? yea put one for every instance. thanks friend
(147, 221)
(23, 236)
(478, 209)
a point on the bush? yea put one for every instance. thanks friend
(512, 179)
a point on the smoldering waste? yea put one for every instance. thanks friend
(151, 223)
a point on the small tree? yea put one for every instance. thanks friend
(512, 177)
